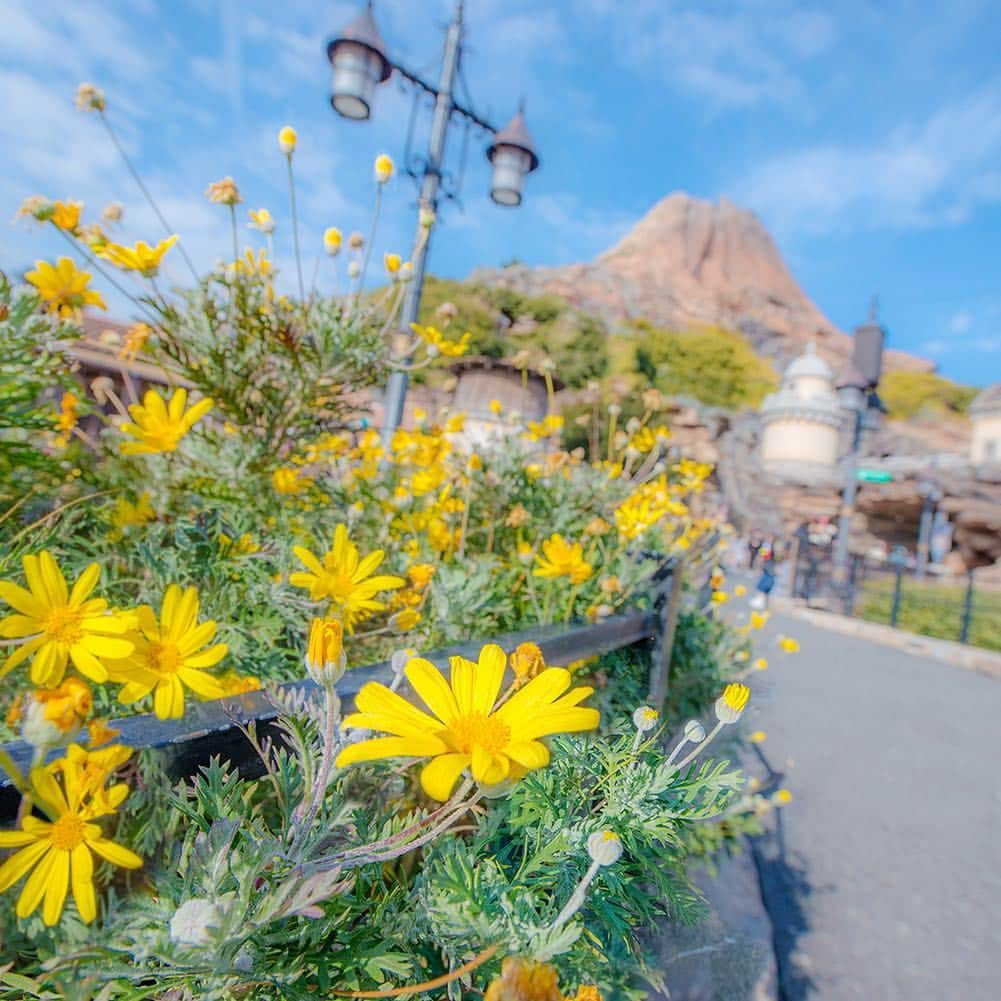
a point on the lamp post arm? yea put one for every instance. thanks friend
(435, 92)
(396, 389)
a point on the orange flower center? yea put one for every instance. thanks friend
(64, 624)
(68, 832)
(488, 732)
(164, 657)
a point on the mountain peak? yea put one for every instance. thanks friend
(689, 263)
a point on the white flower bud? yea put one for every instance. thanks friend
(695, 732)
(604, 847)
(645, 718)
(354, 269)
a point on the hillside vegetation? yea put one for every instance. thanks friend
(911, 394)
(710, 365)
(503, 323)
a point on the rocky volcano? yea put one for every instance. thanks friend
(689, 263)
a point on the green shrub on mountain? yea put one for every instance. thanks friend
(909, 394)
(715, 366)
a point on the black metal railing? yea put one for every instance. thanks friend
(892, 592)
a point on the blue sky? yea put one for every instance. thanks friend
(867, 135)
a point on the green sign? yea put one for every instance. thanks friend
(873, 476)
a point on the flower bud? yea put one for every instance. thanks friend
(604, 847)
(287, 139)
(527, 661)
(383, 168)
(332, 240)
(645, 718)
(730, 705)
(325, 660)
(695, 732)
(354, 269)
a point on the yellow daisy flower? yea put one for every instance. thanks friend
(344, 579)
(170, 655)
(562, 559)
(142, 257)
(66, 215)
(466, 729)
(159, 426)
(59, 853)
(58, 624)
(788, 644)
(64, 287)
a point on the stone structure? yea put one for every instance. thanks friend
(802, 420)
(482, 380)
(985, 413)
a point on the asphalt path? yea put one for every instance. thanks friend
(883, 876)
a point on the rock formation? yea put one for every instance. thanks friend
(690, 263)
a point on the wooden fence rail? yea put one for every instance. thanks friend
(212, 727)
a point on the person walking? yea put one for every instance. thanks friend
(765, 585)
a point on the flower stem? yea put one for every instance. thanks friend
(319, 787)
(576, 899)
(295, 229)
(149, 198)
(371, 237)
(698, 747)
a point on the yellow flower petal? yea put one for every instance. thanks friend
(440, 775)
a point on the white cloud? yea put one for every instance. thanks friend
(738, 55)
(960, 322)
(932, 173)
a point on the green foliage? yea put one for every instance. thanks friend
(715, 366)
(34, 373)
(911, 394)
(504, 322)
(934, 609)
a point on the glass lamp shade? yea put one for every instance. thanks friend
(357, 69)
(851, 398)
(511, 164)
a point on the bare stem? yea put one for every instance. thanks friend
(295, 229)
(149, 198)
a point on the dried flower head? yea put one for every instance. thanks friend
(90, 98)
(524, 980)
(224, 192)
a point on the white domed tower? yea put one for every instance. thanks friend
(802, 420)
(985, 413)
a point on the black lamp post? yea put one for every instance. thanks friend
(863, 407)
(359, 61)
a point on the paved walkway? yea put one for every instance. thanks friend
(883, 877)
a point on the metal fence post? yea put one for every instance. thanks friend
(895, 607)
(667, 604)
(964, 632)
(851, 586)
